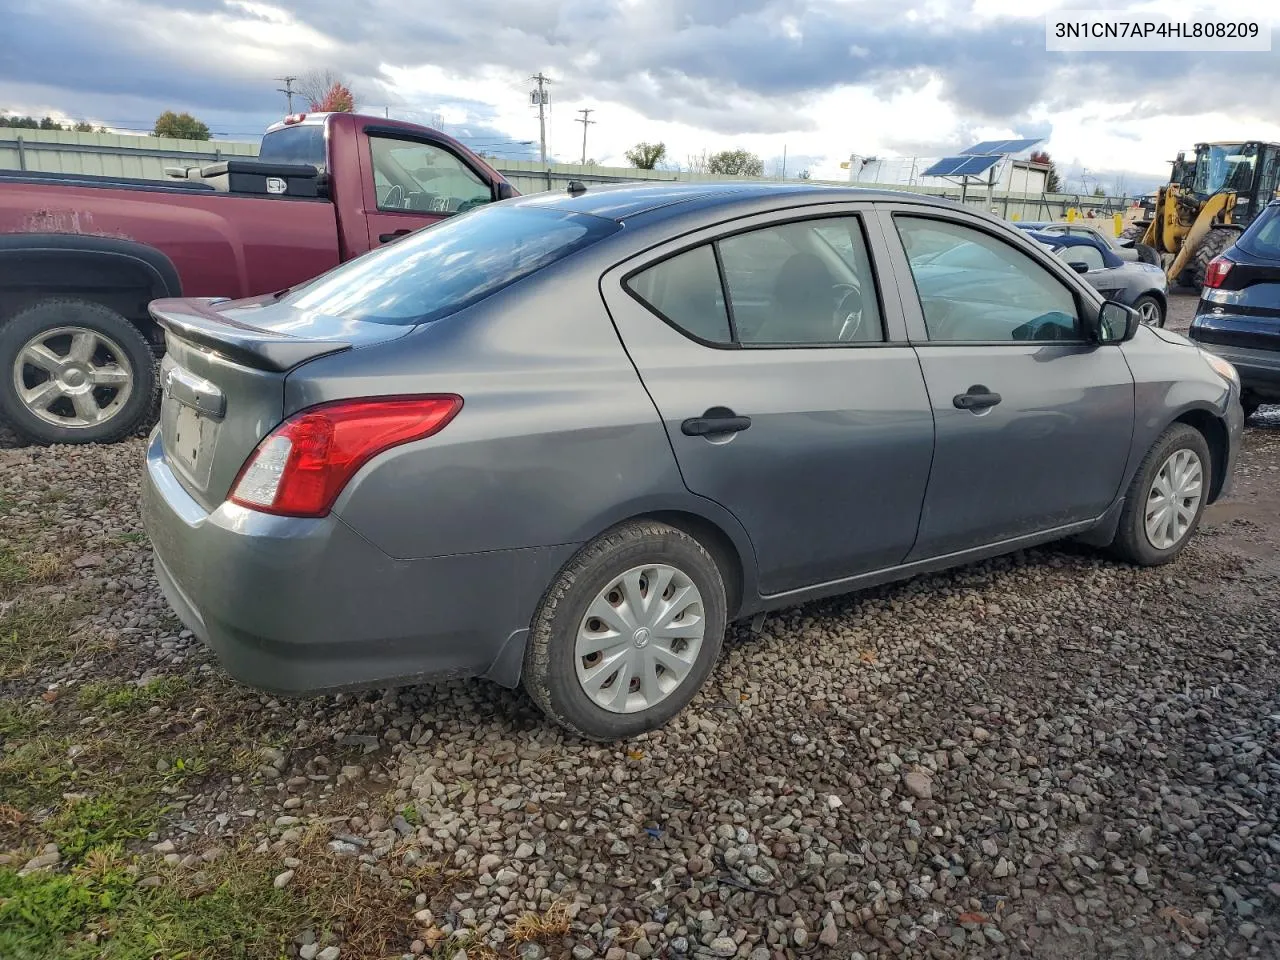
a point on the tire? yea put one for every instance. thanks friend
(1132, 542)
(1150, 305)
(120, 357)
(1147, 254)
(1213, 244)
(1134, 231)
(552, 664)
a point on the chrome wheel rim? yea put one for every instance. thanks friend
(1149, 313)
(640, 638)
(72, 377)
(1174, 498)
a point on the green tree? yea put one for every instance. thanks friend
(646, 156)
(736, 163)
(1098, 191)
(20, 123)
(181, 125)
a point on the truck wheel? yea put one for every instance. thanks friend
(1214, 243)
(627, 633)
(74, 371)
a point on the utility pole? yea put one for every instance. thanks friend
(287, 89)
(585, 121)
(541, 98)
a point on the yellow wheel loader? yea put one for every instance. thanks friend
(1206, 204)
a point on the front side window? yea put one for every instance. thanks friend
(978, 289)
(448, 266)
(424, 178)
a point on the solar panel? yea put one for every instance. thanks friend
(1005, 147)
(964, 166)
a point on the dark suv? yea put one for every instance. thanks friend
(1238, 316)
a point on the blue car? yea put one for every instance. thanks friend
(1142, 286)
(1238, 316)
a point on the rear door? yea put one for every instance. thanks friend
(414, 182)
(787, 388)
(1033, 421)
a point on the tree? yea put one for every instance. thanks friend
(48, 123)
(802, 175)
(181, 125)
(1052, 183)
(317, 85)
(646, 156)
(1098, 191)
(21, 123)
(735, 163)
(337, 100)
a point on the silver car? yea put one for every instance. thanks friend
(565, 439)
(1139, 285)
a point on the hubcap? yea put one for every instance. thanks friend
(1149, 313)
(1173, 499)
(72, 377)
(639, 638)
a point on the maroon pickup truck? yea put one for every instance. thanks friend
(82, 256)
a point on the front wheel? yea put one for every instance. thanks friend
(1166, 498)
(627, 633)
(1150, 310)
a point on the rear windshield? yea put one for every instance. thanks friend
(303, 143)
(1262, 239)
(449, 266)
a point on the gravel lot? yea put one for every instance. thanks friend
(1046, 755)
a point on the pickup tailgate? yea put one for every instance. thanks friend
(222, 380)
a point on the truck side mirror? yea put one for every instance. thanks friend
(504, 191)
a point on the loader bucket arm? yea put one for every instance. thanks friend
(1204, 223)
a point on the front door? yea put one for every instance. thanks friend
(1033, 421)
(787, 389)
(416, 183)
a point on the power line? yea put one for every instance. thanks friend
(586, 121)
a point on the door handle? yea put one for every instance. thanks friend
(394, 235)
(976, 397)
(714, 421)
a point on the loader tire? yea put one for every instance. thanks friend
(1213, 244)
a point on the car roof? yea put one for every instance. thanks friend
(1064, 240)
(625, 201)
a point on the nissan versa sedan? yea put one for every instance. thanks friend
(565, 439)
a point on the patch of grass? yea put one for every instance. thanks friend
(129, 696)
(40, 911)
(84, 825)
(21, 569)
(32, 631)
(547, 926)
(133, 536)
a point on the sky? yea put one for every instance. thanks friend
(818, 79)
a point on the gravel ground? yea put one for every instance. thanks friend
(1046, 755)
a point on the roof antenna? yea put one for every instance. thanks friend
(577, 188)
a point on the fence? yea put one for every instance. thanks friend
(115, 155)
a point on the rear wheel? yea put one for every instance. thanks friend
(627, 633)
(1150, 310)
(1165, 499)
(74, 371)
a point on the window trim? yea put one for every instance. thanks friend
(863, 217)
(1053, 269)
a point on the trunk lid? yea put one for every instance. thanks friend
(222, 379)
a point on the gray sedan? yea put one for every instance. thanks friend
(1142, 286)
(565, 439)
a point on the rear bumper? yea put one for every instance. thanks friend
(309, 606)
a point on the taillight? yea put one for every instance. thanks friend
(299, 468)
(1217, 271)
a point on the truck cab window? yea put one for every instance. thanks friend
(423, 178)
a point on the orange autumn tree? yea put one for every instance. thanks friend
(337, 99)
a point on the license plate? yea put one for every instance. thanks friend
(188, 441)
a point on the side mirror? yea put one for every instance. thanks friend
(504, 191)
(1078, 267)
(1117, 323)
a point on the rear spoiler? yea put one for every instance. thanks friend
(193, 320)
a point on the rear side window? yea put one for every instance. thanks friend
(450, 265)
(1262, 239)
(685, 290)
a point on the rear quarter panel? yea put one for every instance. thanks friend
(221, 244)
(557, 439)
